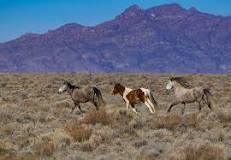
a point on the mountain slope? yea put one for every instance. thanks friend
(165, 38)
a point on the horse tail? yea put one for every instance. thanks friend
(97, 98)
(208, 97)
(148, 93)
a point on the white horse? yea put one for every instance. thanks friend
(185, 94)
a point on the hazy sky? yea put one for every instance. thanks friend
(22, 16)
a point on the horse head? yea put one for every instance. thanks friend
(118, 88)
(64, 87)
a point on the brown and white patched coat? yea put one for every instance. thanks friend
(134, 96)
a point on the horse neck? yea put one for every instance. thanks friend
(126, 91)
(122, 90)
(71, 89)
(178, 87)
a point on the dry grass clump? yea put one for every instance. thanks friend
(5, 117)
(140, 143)
(23, 141)
(121, 118)
(78, 131)
(9, 128)
(60, 138)
(191, 120)
(14, 156)
(125, 132)
(99, 136)
(137, 123)
(205, 151)
(46, 144)
(62, 104)
(7, 147)
(45, 147)
(217, 134)
(86, 147)
(224, 115)
(100, 116)
(168, 121)
(124, 124)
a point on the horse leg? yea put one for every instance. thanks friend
(134, 109)
(149, 107)
(127, 104)
(199, 104)
(96, 106)
(206, 100)
(183, 109)
(80, 108)
(73, 108)
(173, 104)
(152, 106)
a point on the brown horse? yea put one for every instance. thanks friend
(132, 97)
(185, 94)
(83, 95)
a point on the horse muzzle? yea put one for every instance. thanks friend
(59, 91)
(167, 91)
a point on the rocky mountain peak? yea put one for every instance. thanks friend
(132, 11)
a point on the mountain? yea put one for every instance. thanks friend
(165, 38)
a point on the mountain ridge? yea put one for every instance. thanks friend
(166, 38)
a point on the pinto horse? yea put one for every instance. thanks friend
(134, 96)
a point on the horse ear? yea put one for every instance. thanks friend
(113, 82)
(171, 77)
(70, 81)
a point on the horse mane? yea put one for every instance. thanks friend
(181, 81)
(72, 86)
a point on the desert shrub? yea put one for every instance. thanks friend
(224, 115)
(5, 117)
(78, 131)
(200, 152)
(191, 120)
(86, 147)
(60, 138)
(6, 147)
(45, 147)
(28, 103)
(204, 152)
(140, 143)
(127, 131)
(121, 118)
(168, 121)
(9, 129)
(62, 104)
(12, 155)
(23, 141)
(97, 117)
(137, 123)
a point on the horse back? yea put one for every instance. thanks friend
(136, 96)
(81, 94)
